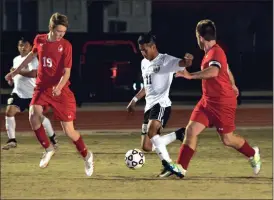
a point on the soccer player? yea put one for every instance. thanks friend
(217, 106)
(52, 88)
(21, 95)
(157, 72)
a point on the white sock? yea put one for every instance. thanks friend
(10, 127)
(160, 148)
(167, 139)
(48, 128)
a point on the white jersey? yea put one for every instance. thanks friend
(158, 75)
(24, 86)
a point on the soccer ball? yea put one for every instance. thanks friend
(134, 159)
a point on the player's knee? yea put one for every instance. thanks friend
(10, 112)
(191, 131)
(227, 139)
(146, 148)
(153, 128)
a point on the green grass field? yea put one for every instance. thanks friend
(215, 171)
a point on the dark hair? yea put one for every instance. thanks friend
(25, 40)
(207, 29)
(58, 19)
(147, 38)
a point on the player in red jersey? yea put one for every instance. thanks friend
(217, 106)
(55, 62)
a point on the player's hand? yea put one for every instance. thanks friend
(185, 74)
(9, 76)
(10, 82)
(56, 91)
(131, 106)
(188, 59)
(236, 90)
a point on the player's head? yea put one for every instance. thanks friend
(205, 32)
(147, 45)
(58, 25)
(24, 46)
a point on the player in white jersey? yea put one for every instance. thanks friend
(157, 72)
(21, 95)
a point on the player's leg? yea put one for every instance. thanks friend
(156, 118)
(198, 122)
(75, 136)
(146, 144)
(35, 118)
(225, 124)
(240, 144)
(167, 139)
(65, 110)
(49, 131)
(11, 111)
(15, 105)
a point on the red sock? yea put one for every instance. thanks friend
(185, 155)
(81, 147)
(42, 137)
(247, 150)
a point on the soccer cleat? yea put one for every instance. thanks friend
(10, 144)
(89, 165)
(46, 158)
(255, 161)
(174, 168)
(164, 173)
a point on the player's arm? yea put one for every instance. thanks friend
(210, 72)
(27, 60)
(140, 94)
(173, 64)
(64, 79)
(231, 77)
(232, 80)
(67, 69)
(137, 97)
(29, 74)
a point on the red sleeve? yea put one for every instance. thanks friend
(216, 57)
(68, 56)
(34, 48)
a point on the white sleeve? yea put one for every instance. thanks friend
(33, 65)
(171, 64)
(14, 62)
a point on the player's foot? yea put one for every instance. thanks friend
(54, 141)
(255, 161)
(46, 158)
(174, 168)
(89, 166)
(11, 143)
(164, 173)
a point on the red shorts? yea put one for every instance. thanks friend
(63, 106)
(212, 114)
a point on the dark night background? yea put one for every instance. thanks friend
(244, 30)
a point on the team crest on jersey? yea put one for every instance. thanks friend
(60, 48)
(156, 68)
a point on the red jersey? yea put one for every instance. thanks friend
(218, 89)
(54, 57)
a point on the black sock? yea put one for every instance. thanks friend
(52, 138)
(12, 140)
(180, 134)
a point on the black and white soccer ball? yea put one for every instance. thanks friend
(135, 159)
